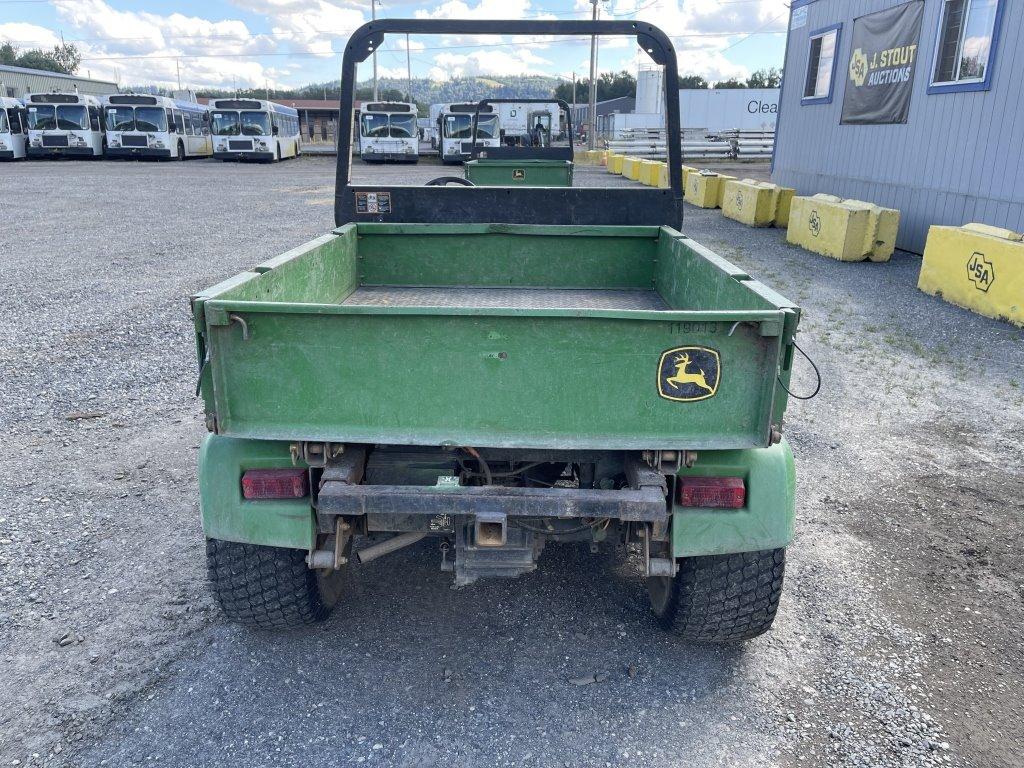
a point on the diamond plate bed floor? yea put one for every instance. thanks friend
(506, 298)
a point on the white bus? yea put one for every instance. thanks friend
(455, 130)
(388, 132)
(251, 129)
(141, 125)
(12, 129)
(64, 124)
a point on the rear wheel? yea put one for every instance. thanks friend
(269, 587)
(720, 598)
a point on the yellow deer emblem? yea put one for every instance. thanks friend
(681, 377)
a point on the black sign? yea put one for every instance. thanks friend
(880, 77)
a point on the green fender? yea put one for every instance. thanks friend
(227, 516)
(766, 522)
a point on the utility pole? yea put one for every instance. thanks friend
(592, 127)
(373, 16)
(408, 67)
(177, 66)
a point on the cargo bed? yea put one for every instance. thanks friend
(510, 336)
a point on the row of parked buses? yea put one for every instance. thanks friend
(142, 125)
(388, 131)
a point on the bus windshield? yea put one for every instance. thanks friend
(225, 123)
(4, 127)
(120, 119)
(403, 126)
(256, 123)
(375, 126)
(150, 119)
(42, 118)
(461, 126)
(72, 117)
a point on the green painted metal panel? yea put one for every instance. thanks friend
(228, 516)
(549, 257)
(502, 380)
(519, 173)
(546, 375)
(766, 522)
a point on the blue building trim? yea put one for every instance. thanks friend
(985, 84)
(807, 100)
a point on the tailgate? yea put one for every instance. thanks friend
(368, 358)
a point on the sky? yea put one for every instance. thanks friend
(288, 43)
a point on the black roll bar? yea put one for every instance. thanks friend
(509, 205)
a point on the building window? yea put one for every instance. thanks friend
(965, 50)
(821, 65)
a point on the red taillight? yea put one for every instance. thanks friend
(721, 492)
(275, 484)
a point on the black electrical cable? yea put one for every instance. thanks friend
(816, 373)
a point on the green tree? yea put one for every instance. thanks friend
(610, 85)
(8, 54)
(692, 82)
(765, 78)
(67, 57)
(732, 82)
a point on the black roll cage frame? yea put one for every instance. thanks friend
(508, 205)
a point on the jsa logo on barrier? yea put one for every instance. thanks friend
(981, 272)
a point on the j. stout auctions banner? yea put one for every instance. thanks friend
(881, 71)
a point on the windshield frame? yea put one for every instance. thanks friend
(408, 118)
(219, 125)
(63, 110)
(161, 126)
(264, 123)
(37, 110)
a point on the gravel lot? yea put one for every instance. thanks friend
(897, 643)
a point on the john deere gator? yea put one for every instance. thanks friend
(486, 370)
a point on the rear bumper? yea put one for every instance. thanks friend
(60, 152)
(263, 156)
(138, 152)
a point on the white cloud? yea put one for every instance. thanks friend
(489, 62)
(25, 35)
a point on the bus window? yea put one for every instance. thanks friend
(403, 126)
(255, 124)
(179, 123)
(120, 119)
(187, 120)
(225, 124)
(42, 118)
(4, 127)
(150, 119)
(72, 117)
(375, 126)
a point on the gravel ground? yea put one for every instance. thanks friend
(897, 643)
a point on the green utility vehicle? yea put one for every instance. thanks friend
(543, 164)
(493, 369)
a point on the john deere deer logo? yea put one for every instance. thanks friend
(686, 374)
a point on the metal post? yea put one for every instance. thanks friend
(373, 15)
(408, 66)
(177, 66)
(592, 127)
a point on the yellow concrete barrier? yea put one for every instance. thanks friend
(703, 189)
(721, 188)
(828, 227)
(749, 202)
(663, 182)
(977, 267)
(883, 225)
(631, 168)
(614, 164)
(783, 202)
(649, 170)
